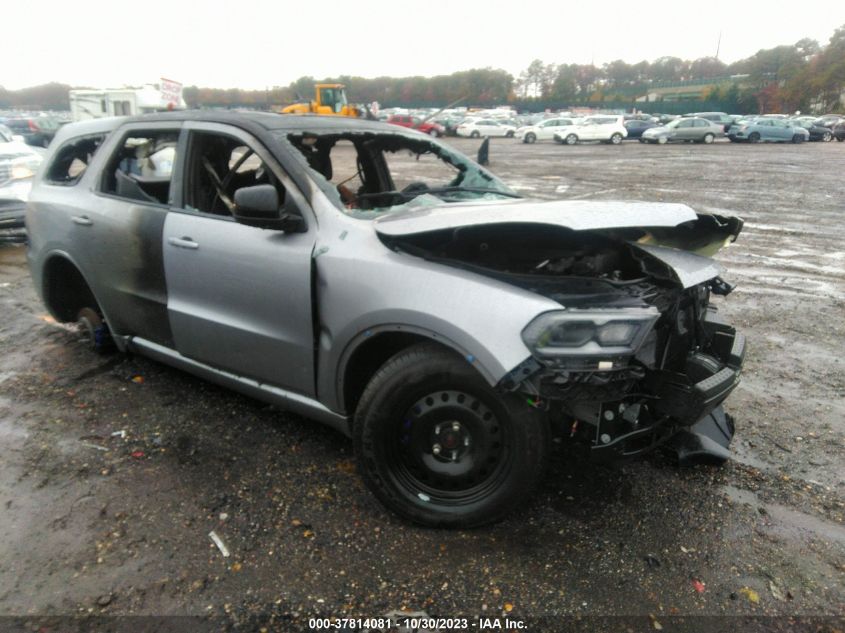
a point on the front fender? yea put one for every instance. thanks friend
(362, 287)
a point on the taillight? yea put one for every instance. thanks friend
(32, 125)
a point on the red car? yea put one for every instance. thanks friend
(429, 127)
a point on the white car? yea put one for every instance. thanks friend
(545, 130)
(605, 128)
(18, 164)
(474, 128)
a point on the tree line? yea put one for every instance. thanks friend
(802, 76)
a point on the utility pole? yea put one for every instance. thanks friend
(718, 44)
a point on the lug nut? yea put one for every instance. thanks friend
(456, 426)
(436, 449)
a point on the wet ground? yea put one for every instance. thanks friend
(115, 469)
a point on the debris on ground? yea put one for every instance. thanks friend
(752, 595)
(219, 543)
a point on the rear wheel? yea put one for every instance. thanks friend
(509, 134)
(529, 138)
(827, 137)
(434, 132)
(754, 137)
(662, 140)
(439, 447)
(797, 138)
(616, 138)
(708, 138)
(475, 134)
(571, 139)
(93, 331)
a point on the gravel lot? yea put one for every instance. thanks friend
(97, 523)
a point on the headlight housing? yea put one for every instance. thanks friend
(596, 333)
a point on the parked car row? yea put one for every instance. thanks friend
(33, 130)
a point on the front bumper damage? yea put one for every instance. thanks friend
(670, 393)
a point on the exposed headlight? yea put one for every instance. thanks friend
(589, 332)
(19, 172)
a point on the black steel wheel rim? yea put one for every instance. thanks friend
(449, 448)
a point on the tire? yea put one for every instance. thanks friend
(616, 139)
(529, 138)
(433, 132)
(509, 134)
(662, 140)
(439, 447)
(475, 134)
(571, 139)
(93, 331)
(827, 137)
(797, 138)
(754, 137)
(708, 138)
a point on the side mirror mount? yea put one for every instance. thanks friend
(259, 206)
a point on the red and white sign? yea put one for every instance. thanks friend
(171, 92)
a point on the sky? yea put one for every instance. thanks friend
(256, 44)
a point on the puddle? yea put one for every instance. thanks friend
(786, 522)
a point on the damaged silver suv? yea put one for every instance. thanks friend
(372, 278)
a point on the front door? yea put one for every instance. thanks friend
(239, 297)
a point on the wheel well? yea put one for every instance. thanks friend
(65, 290)
(368, 358)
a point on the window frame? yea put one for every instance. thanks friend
(75, 139)
(191, 128)
(118, 139)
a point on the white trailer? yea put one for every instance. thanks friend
(96, 104)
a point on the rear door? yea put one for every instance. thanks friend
(120, 236)
(239, 297)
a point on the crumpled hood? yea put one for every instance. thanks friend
(578, 215)
(674, 234)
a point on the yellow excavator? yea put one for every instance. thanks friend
(330, 99)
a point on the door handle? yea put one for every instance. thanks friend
(82, 220)
(183, 242)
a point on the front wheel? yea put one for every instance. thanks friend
(529, 138)
(434, 132)
(571, 139)
(662, 140)
(827, 137)
(754, 137)
(438, 446)
(708, 138)
(616, 138)
(475, 134)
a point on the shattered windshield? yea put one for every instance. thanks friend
(369, 174)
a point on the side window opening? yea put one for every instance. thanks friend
(219, 165)
(367, 173)
(142, 167)
(72, 159)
